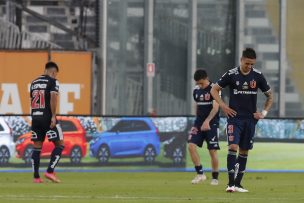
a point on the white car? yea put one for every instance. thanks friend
(7, 145)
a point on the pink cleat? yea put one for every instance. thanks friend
(52, 177)
(37, 180)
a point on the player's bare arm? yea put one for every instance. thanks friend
(269, 100)
(54, 97)
(267, 106)
(215, 92)
(193, 129)
(213, 112)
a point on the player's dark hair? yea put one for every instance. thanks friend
(249, 53)
(51, 64)
(200, 74)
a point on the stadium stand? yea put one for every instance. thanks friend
(78, 17)
(261, 34)
(73, 26)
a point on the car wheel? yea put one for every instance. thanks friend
(149, 154)
(178, 156)
(103, 154)
(4, 155)
(27, 155)
(76, 155)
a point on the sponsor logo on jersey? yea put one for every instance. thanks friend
(202, 97)
(235, 91)
(34, 135)
(204, 103)
(245, 86)
(51, 134)
(38, 113)
(230, 138)
(237, 83)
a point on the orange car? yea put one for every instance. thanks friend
(75, 145)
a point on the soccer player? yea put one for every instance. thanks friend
(44, 92)
(244, 82)
(205, 127)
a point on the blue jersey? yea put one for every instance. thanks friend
(243, 90)
(204, 102)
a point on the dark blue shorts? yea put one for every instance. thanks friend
(210, 136)
(241, 131)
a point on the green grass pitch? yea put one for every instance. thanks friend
(149, 187)
(271, 156)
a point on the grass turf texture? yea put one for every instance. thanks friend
(149, 187)
(280, 156)
(273, 156)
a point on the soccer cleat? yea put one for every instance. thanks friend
(230, 188)
(199, 178)
(239, 188)
(52, 177)
(37, 180)
(214, 182)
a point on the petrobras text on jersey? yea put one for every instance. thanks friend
(235, 91)
(204, 103)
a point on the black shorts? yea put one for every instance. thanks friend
(41, 128)
(241, 132)
(211, 137)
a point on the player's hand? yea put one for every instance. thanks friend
(205, 126)
(229, 112)
(53, 122)
(193, 131)
(258, 115)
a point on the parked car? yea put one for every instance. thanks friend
(129, 137)
(75, 145)
(175, 144)
(7, 146)
(175, 148)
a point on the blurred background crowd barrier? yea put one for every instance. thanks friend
(143, 52)
(153, 142)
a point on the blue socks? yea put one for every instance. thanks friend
(215, 174)
(231, 161)
(199, 169)
(241, 164)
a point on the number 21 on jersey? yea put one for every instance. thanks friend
(38, 99)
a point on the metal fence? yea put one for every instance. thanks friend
(12, 38)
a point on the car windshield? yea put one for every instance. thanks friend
(129, 126)
(118, 126)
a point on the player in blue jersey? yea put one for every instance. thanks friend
(244, 82)
(205, 127)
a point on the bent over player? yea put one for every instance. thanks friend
(244, 82)
(44, 92)
(205, 127)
